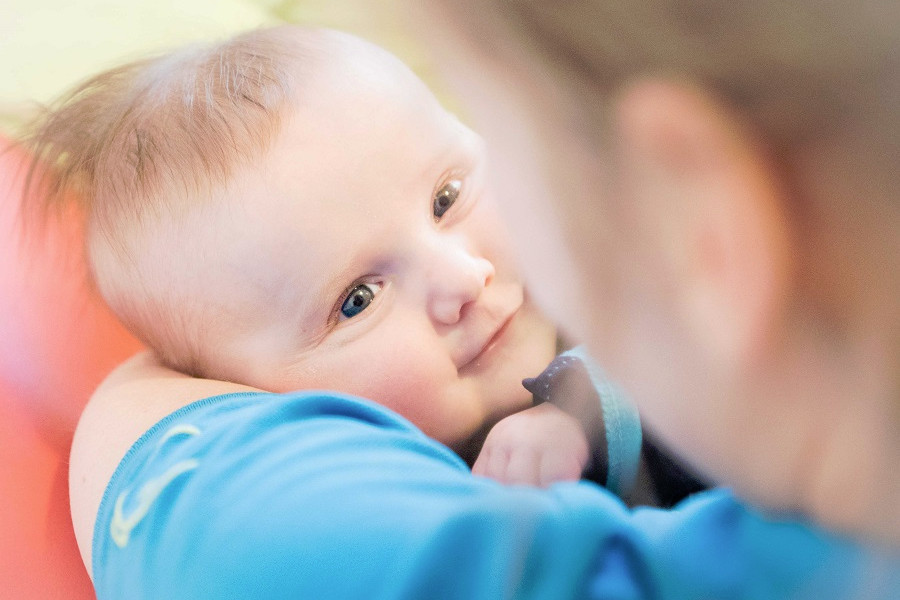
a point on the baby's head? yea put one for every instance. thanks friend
(293, 209)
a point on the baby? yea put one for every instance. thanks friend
(399, 288)
(293, 209)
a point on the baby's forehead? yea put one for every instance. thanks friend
(348, 66)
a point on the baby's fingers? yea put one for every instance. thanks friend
(492, 462)
(558, 466)
(523, 468)
(512, 467)
(482, 465)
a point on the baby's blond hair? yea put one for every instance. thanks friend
(151, 139)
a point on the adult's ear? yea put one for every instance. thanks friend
(709, 205)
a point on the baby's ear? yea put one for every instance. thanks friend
(708, 204)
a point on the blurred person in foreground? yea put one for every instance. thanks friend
(721, 183)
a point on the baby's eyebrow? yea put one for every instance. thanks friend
(322, 298)
(456, 149)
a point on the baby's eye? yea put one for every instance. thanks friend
(444, 197)
(358, 299)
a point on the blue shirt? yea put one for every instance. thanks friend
(322, 495)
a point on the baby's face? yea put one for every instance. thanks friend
(363, 254)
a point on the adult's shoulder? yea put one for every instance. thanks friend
(133, 398)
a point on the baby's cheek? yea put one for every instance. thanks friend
(407, 392)
(417, 390)
(493, 227)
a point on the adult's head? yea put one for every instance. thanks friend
(706, 193)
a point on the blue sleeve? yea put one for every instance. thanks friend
(318, 495)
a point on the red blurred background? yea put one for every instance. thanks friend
(57, 342)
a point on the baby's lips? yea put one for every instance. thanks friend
(484, 333)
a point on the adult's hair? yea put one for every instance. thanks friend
(799, 70)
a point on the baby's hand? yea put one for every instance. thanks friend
(537, 446)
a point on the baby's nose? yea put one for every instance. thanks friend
(456, 281)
